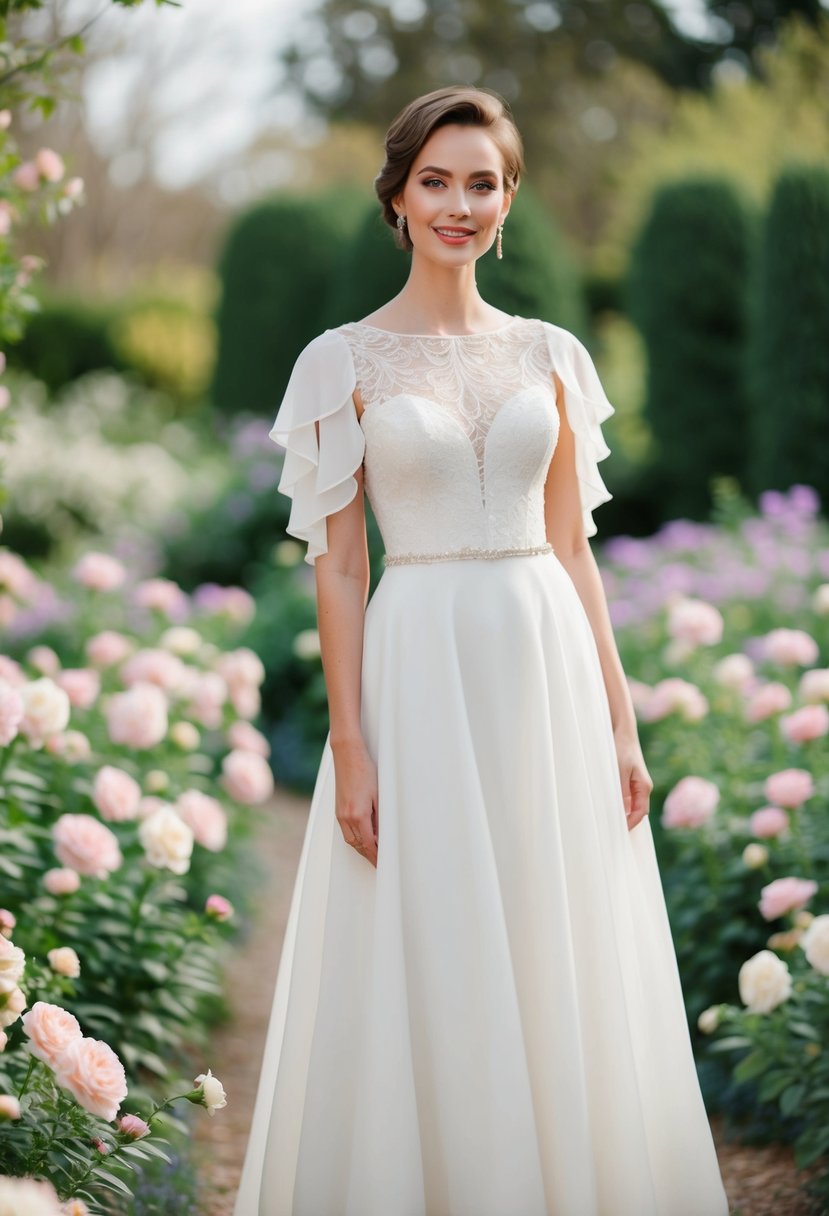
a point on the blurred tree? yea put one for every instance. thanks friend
(275, 269)
(788, 365)
(744, 30)
(688, 295)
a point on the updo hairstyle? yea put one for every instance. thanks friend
(413, 126)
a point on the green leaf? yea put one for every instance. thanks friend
(792, 1098)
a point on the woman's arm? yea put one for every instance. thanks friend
(565, 531)
(342, 584)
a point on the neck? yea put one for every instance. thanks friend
(441, 298)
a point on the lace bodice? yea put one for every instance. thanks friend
(455, 437)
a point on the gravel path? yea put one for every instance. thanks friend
(760, 1181)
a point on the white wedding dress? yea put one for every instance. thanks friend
(491, 1022)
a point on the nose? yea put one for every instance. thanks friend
(459, 204)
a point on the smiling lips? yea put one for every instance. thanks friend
(454, 235)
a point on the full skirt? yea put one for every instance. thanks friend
(490, 1023)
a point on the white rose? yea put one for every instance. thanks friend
(12, 965)
(167, 840)
(185, 736)
(181, 639)
(815, 942)
(709, 1019)
(734, 671)
(820, 600)
(764, 982)
(64, 961)
(213, 1094)
(45, 710)
(12, 1005)
(307, 644)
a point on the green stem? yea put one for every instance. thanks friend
(27, 1078)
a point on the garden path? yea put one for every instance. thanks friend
(760, 1181)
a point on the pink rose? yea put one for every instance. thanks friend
(26, 176)
(49, 165)
(205, 817)
(691, 803)
(814, 685)
(107, 648)
(785, 895)
(64, 961)
(246, 700)
(12, 672)
(80, 684)
(790, 787)
(9, 1107)
(94, 1075)
(11, 712)
(44, 659)
(246, 738)
(804, 725)
(154, 666)
(133, 1126)
(16, 577)
(137, 718)
(247, 777)
(116, 794)
(50, 1030)
(7, 922)
(208, 694)
(162, 595)
(219, 908)
(240, 666)
(767, 700)
(695, 623)
(71, 745)
(99, 572)
(85, 844)
(61, 881)
(768, 822)
(675, 696)
(734, 671)
(790, 648)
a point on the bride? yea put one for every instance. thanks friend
(478, 1010)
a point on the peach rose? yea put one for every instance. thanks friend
(790, 648)
(764, 982)
(11, 712)
(44, 659)
(805, 724)
(767, 700)
(49, 164)
(785, 895)
(814, 686)
(116, 794)
(26, 1197)
(50, 1031)
(9, 1107)
(205, 817)
(85, 844)
(107, 648)
(675, 696)
(45, 710)
(137, 718)
(64, 961)
(167, 840)
(247, 777)
(691, 803)
(12, 1005)
(99, 572)
(734, 671)
(12, 965)
(790, 787)
(94, 1075)
(768, 822)
(61, 881)
(81, 685)
(8, 920)
(246, 738)
(181, 640)
(73, 746)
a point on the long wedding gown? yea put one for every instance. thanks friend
(491, 1022)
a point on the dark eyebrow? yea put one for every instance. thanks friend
(446, 172)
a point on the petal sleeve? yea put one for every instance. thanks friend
(587, 408)
(318, 475)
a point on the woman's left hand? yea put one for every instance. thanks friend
(636, 780)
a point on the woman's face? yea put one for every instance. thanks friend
(454, 196)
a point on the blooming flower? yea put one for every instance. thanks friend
(61, 881)
(790, 787)
(764, 982)
(64, 961)
(50, 1030)
(133, 1126)
(9, 1107)
(45, 710)
(167, 840)
(769, 699)
(86, 845)
(138, 717)
(206, 818)
(11, 712)
(246, 738)
(691, 803)
(247, 777)
(785, 895)
(695, 622)
(790, 648)
(99, 572)
(91, 1071)
(212, 1093)
(768, 822)
(805, 724)
(116, 794)
(815, 943)
(12, 965)
(674, 695)
(27, 1197)
(219, 908)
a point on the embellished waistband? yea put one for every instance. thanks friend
(451, 555)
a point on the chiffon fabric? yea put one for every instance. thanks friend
(490, 1023)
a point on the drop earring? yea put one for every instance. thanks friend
(499, 253)
(401, 222)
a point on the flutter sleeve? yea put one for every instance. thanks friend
(587, 408)
(319, 475)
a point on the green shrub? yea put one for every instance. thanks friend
(66, 339)
(687, 291)
(275, 270)
(789, 348)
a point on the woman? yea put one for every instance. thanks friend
(478, 1010)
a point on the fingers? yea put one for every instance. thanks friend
(636, 791)
(360, 833)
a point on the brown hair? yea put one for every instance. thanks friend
(410, 130)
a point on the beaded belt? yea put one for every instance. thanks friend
(450, 555)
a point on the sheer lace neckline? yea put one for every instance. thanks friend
(393, 333)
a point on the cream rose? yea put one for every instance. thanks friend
(45, 710)
(94, 1075)
(213, 1094)
(12, 1005)
(64, 961)
(167, 840)
(764, 982)
(12, 965)
(50, 1030)
(815, 943)
(26, 1197)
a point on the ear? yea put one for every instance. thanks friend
(509, 195)
(397, 203)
